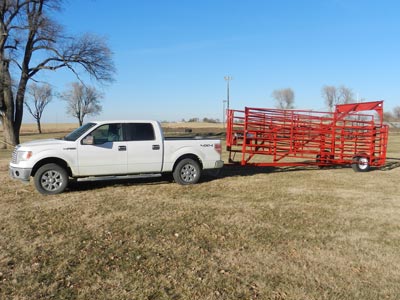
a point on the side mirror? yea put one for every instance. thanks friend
(89, 140)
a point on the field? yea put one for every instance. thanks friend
(290, 233)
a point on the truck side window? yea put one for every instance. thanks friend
(114, 132)
(140, 132)
(107, 133)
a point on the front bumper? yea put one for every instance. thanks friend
(19, 173)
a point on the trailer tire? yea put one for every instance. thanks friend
(187, 171)
(324, 160)
(51, 179)
(318, 161)
(360, 164)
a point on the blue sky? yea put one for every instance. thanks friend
(172, 55)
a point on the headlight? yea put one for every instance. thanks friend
(23, 155)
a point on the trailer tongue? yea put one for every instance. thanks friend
(351, 135)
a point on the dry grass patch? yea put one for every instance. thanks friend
(251, 234)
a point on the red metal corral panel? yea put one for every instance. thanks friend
(277, 137)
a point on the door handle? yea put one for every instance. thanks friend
(156, 147)
(121, 148)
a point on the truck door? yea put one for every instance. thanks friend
(144, 149)
(107, 155)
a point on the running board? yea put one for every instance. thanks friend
(103, 178)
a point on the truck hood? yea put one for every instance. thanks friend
(47, 143)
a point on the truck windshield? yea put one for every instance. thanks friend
(74, 135)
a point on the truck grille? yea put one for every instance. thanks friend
(14, 156)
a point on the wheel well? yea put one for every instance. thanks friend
(191, 156)
(51, 160)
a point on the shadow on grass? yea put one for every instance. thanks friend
(391, 163)
(208, 176)
(232, 170)
(87, 185)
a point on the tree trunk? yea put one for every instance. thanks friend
(2, 142)
(38, 125)
(10, 139)
(11, 136)
(19, 105)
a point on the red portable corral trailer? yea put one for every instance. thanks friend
(280, 137)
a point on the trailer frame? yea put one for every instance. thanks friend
(292, 137)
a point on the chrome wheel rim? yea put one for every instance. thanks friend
(51, 180)
(363, 163)
(188, 173)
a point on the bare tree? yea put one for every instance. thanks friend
(336, 95)
(32, 42)
(329, 93)
(284, 98)
(82, 101)
(38, 98)
(388, 116)
(346, 95)
(396, 112)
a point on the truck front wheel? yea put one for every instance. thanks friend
(51, 179)
(187, 171)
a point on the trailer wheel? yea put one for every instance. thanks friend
(318, 161)
(51, 179)
(187, 171)
(360, 164)
(323, 160)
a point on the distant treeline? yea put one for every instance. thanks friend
(204, 120)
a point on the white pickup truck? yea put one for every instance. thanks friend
(113, 148)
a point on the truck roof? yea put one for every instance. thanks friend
(123, 121)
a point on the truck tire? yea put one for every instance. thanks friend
(187, 171)
(51, 179)
(360, 164)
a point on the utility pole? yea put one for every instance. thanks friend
(228, 79)
(223, 112)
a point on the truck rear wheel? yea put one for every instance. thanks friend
(51, 179)
(187, 171)
(360, 164)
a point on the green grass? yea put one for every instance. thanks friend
(299, 233)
